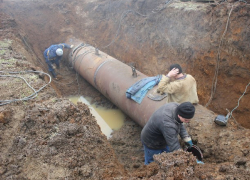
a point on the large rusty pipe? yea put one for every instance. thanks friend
(112, 78)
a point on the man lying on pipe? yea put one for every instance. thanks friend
(160, 134)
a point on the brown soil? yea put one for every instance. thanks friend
(48, 137)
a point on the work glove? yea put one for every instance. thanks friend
(53, 66)
(71, 46)
(189, 143)
(199, 162)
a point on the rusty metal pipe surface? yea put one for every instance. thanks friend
(112, 78)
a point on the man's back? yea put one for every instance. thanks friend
(180, 90)
(186, 93)
(162, 129)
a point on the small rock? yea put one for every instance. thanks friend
(53, 150)
(223, 169)
(2, 170)
(2, 118)
(21, 142)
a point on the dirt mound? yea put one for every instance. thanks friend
(56, 139)
(55, 136)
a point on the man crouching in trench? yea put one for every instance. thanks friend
(160, 134)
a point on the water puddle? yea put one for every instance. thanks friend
(108, 119)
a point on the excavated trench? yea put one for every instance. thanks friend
(209, 40)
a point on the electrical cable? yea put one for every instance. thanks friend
(133, 11)
(214, 84)
(32, 96)
(239, 100)
(243, 1)
(25, 42)
(117, 32)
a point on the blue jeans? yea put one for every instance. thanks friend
(50, 62)
(149, 153)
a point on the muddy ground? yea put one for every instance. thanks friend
(48, 137)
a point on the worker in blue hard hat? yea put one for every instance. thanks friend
(53, 55)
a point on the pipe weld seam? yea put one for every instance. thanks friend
(98, 70)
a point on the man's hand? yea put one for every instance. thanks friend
(189, 143)
(173, 72)
(199, 162)
(159, 92)
(71, 46)
(53, 66)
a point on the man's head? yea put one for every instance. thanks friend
(176, 66)
(59, 52)
(185, 112)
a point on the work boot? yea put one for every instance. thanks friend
(59, 77)
(58, 66)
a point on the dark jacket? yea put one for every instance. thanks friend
(162, 129)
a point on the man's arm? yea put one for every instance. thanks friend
(46, 57)
(171, 137)
(64, 45)
(162, 84)
(169, 87)
(185, 136)
(183, 132)
(165, 85)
